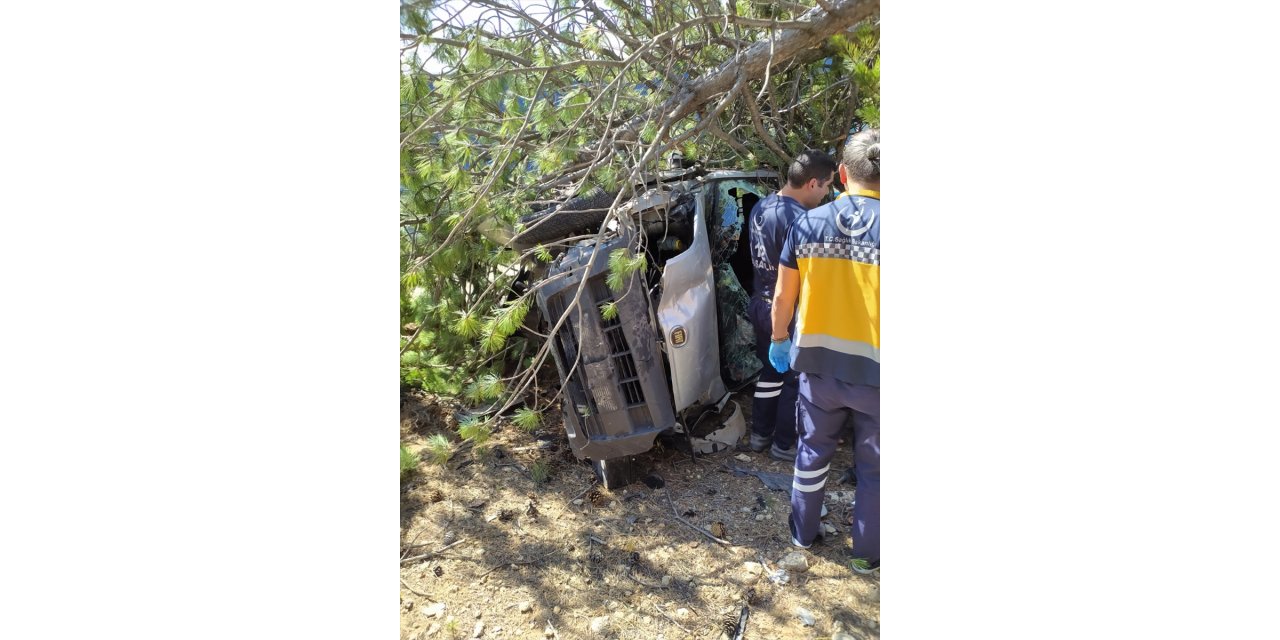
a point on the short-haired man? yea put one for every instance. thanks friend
(830, 262)
(773, 410)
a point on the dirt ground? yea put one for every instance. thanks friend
(487, 553)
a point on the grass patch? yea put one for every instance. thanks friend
(540, 471)
(439, 449)
(408, 461)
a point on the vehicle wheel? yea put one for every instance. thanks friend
(584, 213)
(614, 473)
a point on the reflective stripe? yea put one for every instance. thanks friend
(812, 474)
(768, 384)
(850, 347)
(769, 394)
(795, 486)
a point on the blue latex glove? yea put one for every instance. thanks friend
(780, 355)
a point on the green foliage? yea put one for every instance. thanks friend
(439, 449)
(527, 418)
(540, 471)
(475, 431)
(486, 388)
(609, 310)
(621, 267)
(467, 325)
(408, 461)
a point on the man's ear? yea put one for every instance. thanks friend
(844, 175)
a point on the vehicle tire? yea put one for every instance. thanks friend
(615, 473)
(584, 213)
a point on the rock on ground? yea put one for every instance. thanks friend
(794, 561)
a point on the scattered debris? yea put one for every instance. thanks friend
(434, 610)
(599, 624)
(479, 629)
(805, 616)
(774, 481)
(779, 576)
(526, 607)
(733, 624)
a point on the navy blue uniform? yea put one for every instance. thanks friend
(773, 410)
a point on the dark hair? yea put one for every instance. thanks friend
(809, 165)
(861, 156)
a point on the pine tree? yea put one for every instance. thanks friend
(506, 107)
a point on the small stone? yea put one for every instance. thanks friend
(760, 517)
(666, 581)
(549, 632)
(828, 529)
(805, 616)
(745, 509)
(479, 629)
(743, 457)
(611, 605)
(408, 605)
(556, 610)
(754, 568)
(433, 610)
(578, 502)
(433, 629)
(794, 561)
(613, 504)
(682, 614)
(648, 520)
(478, 614)
(598, 625)
(525, 607)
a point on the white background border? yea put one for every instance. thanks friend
(198, 262)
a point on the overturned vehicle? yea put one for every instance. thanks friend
(660, 352)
